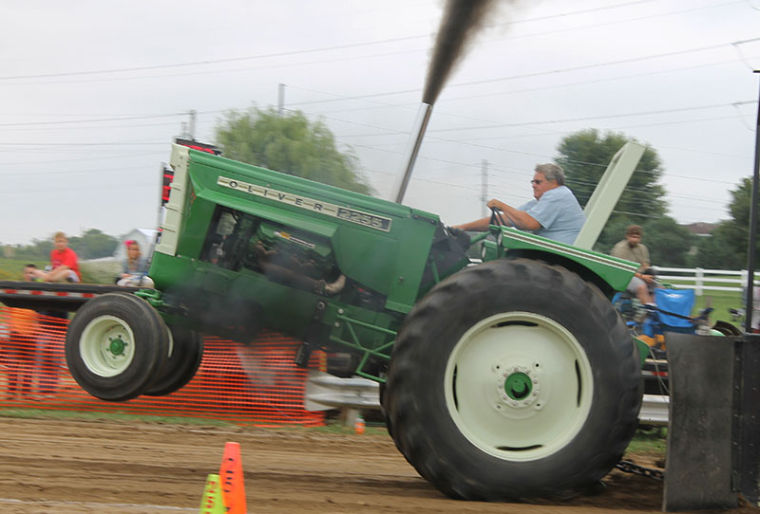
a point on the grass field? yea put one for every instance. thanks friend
(720, 301)
(12, 269)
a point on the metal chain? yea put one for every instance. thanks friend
(628, 466)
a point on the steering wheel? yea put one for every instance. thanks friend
(496, 218)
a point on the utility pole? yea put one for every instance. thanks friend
(484, 186)
(748, 311)
(280, 98)
(191, 125)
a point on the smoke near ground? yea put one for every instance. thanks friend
(462, 20)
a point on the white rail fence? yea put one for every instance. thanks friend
(702, 280)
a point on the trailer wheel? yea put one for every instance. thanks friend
(115, 346)
(513, 379)
(183, 362)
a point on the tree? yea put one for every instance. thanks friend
(93, 244)
(669, 243)
(727, 245)
(38, 249)
(585, 156)
(719, 250)
(291, 144)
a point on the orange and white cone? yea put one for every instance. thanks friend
(359, 425)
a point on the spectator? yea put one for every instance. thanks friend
(21, 346)
(134, 268)
(64, 265)
(48, 352)
(30, 273)
(632, 249)
(554, 211)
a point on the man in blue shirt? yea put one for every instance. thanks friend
(554, 212)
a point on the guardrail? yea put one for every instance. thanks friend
(355, 394)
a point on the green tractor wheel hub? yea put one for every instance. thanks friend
(117, 346)
(106, 346)
(518, 386)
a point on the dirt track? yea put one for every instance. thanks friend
(119, 467)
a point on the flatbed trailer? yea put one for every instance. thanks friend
(53, 296)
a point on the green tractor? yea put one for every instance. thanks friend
(508, 378)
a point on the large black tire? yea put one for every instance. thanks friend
(116, 345)
(184, 359)
(513, 379)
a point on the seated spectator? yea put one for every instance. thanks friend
(632, 249)
(134, 268)
(64, 264)
(30, 273)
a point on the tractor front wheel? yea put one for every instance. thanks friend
(183, 361)
(115, 346)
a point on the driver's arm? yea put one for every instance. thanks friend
(519, 219)
(480, 225)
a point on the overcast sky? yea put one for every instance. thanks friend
(93, 92)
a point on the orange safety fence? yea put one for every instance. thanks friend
(255, 384)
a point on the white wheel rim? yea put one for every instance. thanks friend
(554, 381)
(107, 346)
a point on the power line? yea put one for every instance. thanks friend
(91, 120)
(537, 73)
(118, 143)
(108, 157)
(100, 120)
(345, 46)
(38, 129)
(588, 118)
(84, 171)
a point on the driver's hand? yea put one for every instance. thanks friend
(495, 204)
(648, 278)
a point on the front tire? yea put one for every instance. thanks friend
(115, 346)
(513, 379)
(182, 364)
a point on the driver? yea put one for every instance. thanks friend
(553, 213)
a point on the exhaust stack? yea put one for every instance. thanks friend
(461, 21)
(421, 123)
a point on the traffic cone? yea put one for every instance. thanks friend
(359, 425)
(212, 501)
(231, 476)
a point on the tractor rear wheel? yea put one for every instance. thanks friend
(116, 345)
(513, 379)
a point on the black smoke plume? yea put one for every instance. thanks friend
(461, 21)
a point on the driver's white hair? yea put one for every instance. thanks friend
(551, 172)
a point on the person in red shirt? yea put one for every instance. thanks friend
(63, 262)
